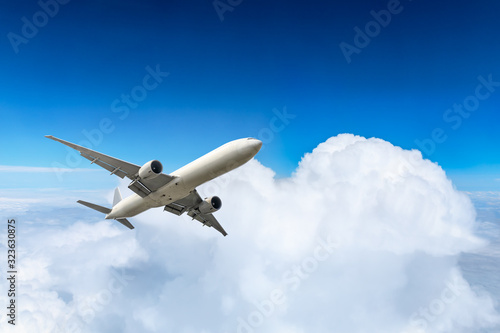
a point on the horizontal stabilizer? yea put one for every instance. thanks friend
(101, 209)
(126, 223)
(105, 210)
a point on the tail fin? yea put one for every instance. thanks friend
(118, 197)
(101, 209)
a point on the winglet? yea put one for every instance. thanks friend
(52, 137)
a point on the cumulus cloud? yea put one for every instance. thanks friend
(363, 237)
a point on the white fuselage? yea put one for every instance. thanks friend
(217, 162)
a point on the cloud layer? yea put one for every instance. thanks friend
(364, 237)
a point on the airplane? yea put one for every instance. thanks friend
(175, 191)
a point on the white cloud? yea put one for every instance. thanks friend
(20, 201)
(363, 237)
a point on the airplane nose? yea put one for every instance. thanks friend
(256, 144)
(250, 146)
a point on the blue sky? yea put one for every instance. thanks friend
(229, 78)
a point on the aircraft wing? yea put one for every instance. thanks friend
(190, 204)
(120, 168)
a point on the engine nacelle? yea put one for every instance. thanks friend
(150, 170)
(210, 205)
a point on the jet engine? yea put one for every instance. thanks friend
(150, 170)
(210, 205)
